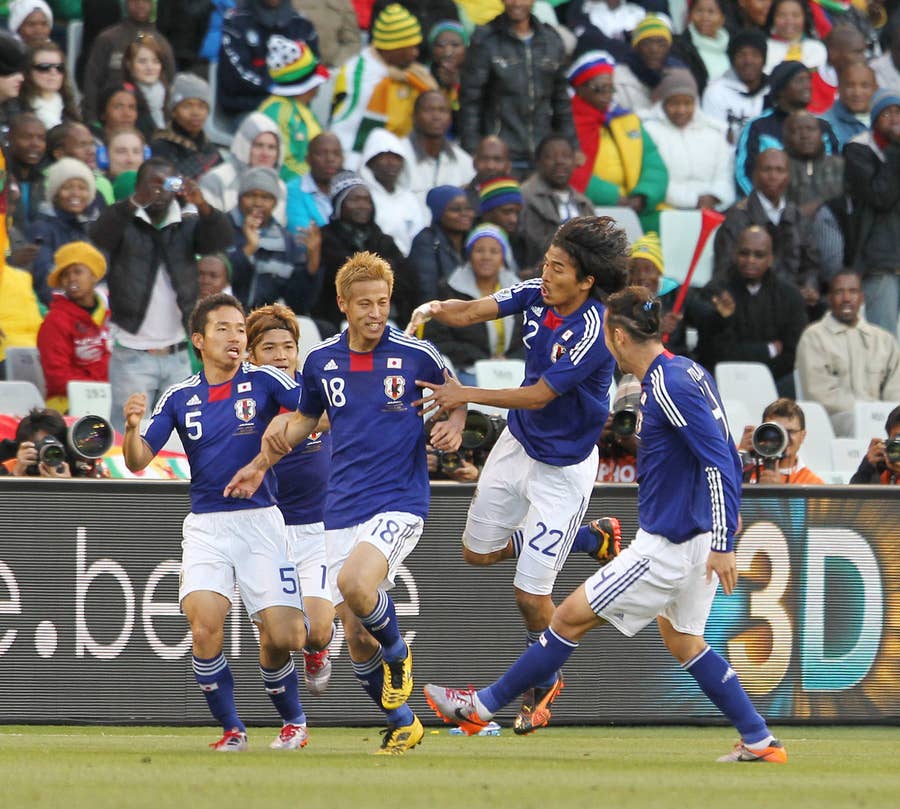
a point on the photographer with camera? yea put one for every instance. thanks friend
(771, 450)
(618, 445)
(47, 448)
(478, 438)
(882, 462)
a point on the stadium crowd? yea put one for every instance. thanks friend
(254, 146)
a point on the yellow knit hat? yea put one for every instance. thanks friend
(76, 253)
(653, 25)
(396, 28)
(649, 247)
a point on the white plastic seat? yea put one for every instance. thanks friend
(219, 127)
(626, 218)
(74, 38)
(846, 454)
(89, 398)
(678, 234)
(309, 336)
(738, 418)
(24, 365)
(869, 419)
(496, 374)
(816, 449)
(747, 382)
(18, 397)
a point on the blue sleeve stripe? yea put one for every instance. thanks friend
(190, 382)
(593, 329)
(661, 394)
(419, 345)
(717, 500)
(276, 373)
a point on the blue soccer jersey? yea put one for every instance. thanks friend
(570, 355)
(303, 478)
(221, 427)
(378, 457)
(689, 472)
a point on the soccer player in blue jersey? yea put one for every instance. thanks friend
(273, 339)
(365, 379)
(538, 478)
(689, 479)
(219, 415)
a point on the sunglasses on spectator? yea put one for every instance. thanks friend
(46, 67)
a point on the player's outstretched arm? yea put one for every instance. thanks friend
(135, 450)
(454, 313)
(451, 395)
(284, 432)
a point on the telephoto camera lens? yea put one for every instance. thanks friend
(90, 437)
(892, 449)
(51, 452)
(770, 440)
(624, 423)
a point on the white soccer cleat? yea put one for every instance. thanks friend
(456, 706)
(317, 671)
(234, 741)
(291, 737)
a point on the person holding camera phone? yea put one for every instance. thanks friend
(774, 447)
(881, 464)
(537, 481)
(152, 244)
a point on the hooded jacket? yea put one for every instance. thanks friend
(74, 344)
(220, 185)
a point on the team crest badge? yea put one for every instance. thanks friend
(556, 352)
(245, 409)
(394, 386)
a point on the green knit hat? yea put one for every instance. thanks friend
(653, 25)
(396, 28)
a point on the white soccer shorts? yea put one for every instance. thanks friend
(247, 546)
(652, 577)
(306, 547)
(394, 533)
(547, 503)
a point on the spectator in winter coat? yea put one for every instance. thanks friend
(815, 176)
(849, 115)
(74, 341)
(638, 75)
(693, 147)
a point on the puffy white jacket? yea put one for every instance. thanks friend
(698, 158)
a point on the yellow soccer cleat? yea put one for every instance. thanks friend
(400, 738)
(398, 682)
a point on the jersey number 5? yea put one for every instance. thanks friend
(192, 424)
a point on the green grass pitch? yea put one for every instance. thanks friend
(618, 768)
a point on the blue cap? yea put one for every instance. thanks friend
(883, 99)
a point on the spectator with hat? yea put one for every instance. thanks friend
(514, 85)
(296, 76)
(104, 61)
(485, 272)
(13, 59)
(267, 263)
(379, 86)
(639, 73)
(437, 250)
(243, 76)
(184, 142)
(871, 172)
(30, 20)
(74, 340)
(353, 229)
(398, 211)
(694, 148)
(622, 166)
(500, 202)
(448, 40)
(70, 190)
(790, 89)
(737, 96)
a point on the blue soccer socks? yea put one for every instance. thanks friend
(721, 684)
(284, 691)
(217, 684)
(382, 625)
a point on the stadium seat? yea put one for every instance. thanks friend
(309, 336)
(627, 219)
(17, 398)
(678, 234)
(74, 37)
(738, 417)
(869, 419)
(498, 374)
(747, 382)
(846, 454)
(219, 127)
(816, 449)
(89, 398)
(798, 387)
(24, 365)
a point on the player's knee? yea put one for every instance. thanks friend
(535, 609)
(286, 637)
(207, 637)
(356, 594)
(318, 637)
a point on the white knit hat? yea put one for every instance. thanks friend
(69, 168)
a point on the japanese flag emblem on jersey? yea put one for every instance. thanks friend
(243, 387)
(245, 409)
(394, 386)
(394, 362)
